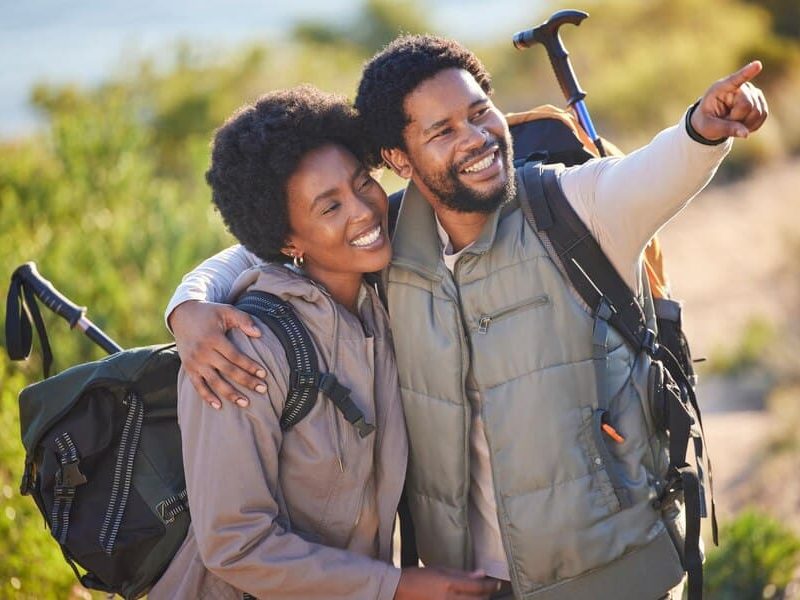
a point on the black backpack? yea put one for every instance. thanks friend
(103, 448)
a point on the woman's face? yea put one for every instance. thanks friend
(337, 215)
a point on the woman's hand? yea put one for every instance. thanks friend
(210, 359)
(438, 583)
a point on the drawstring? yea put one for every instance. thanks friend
(334, 361)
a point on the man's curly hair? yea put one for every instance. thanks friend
(396, 71)
(258, 148)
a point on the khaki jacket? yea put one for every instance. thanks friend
(306, 513)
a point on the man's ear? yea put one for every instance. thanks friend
(398, 161)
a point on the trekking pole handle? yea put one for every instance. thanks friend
(56, 301)
(49, 295)
(547, 35)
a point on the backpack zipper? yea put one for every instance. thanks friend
(486, 320)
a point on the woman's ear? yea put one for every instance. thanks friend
(290, 249)
(398, 161)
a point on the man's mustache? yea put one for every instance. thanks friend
(490, 142)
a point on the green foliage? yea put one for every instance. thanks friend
(757, 554)
(749, 352)
(785, 16)
(32, 565)
(378, 23)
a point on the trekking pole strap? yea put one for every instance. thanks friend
(21, 308)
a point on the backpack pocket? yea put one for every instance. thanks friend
(601, 464)
(85, 484)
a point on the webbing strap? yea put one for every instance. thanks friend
(68, 478)
(305, 379)
(590, 272)
(340, 396)
(596, 281)
(695, 430)
(300, 352)
(123, 472)
(600, 352)
(600, 357)
(21, 308)
(691, 550)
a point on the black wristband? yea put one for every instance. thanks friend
(693, 132)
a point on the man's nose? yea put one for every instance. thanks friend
(474, 138)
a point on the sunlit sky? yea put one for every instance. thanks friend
(85, 40)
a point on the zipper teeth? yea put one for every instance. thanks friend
(485, 320)
(123, 474)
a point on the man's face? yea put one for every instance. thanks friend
(458, 144)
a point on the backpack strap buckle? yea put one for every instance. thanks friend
(70, 476)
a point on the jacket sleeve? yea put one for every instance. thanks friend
(212, 279)
(624, 201)
(231, 460)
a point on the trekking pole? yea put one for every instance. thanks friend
(29, 280)
(547, 35)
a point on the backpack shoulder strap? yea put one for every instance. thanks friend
(305, 378)
(300, 353)
(610, 299)
(579, 255)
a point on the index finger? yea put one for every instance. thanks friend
(743, 75)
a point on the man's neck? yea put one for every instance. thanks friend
(462, 228)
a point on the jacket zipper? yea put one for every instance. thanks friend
(465, 361)
(485, 320)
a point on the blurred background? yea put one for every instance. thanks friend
(107, 110)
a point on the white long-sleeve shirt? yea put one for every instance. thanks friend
(623, 201)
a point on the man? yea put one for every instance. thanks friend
(494, 352)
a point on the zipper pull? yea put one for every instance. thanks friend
(483, 324)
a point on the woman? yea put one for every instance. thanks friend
(306, 513)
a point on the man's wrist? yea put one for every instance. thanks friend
(692, 132)
(170, 312)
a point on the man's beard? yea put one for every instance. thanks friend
(451, 192)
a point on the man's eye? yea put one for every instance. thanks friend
(442, 133)
(481, 113)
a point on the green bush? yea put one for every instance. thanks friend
(757, 558)
(32, 565)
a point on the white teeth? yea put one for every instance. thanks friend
(368, 238)
(480, 166)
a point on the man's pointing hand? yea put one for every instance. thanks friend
(731, 107)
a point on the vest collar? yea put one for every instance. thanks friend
(416, 245)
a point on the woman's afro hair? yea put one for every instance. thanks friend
(258, 148)
(395, 72)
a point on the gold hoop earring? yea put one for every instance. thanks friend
(298, 261)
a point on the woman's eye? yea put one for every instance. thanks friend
(368, 181)
(330, 208)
